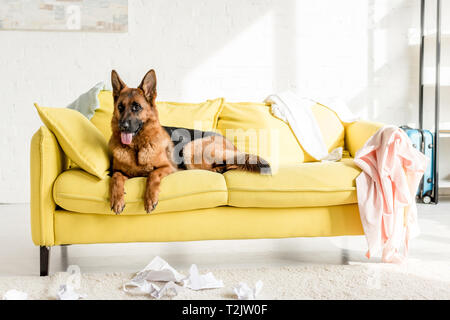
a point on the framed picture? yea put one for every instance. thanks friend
(64, 15)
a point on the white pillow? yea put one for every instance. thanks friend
(88, 102)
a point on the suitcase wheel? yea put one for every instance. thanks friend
(426, 199)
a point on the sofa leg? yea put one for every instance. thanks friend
(44, 260)
(345, 256)
(64, 256)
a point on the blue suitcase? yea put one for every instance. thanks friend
(422, 140)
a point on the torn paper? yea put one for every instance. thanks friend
(196, 281)
(244, 292)
(170, 288)
(140, 287)
(67, 292)
(158, 270)
(15, 295)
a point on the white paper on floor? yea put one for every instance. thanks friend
(196, 281)
(159, 270)
(170, 288)
(244, 292)
(14, 294)
(67, 292)
(140, 287)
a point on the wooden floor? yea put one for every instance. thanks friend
(19, 256)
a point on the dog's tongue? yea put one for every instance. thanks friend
(126, 137)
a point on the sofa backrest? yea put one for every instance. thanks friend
(250, 125)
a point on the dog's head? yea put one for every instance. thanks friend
(133, 107)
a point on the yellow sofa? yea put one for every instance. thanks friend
(302, 198)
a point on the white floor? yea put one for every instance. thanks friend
(19, 256)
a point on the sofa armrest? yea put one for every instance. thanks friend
(357, 134)
(46, 163)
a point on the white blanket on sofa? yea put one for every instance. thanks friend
(296, 112)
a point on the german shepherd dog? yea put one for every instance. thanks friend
(141, 147)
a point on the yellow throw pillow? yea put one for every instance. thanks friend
(330, 125)
(101, 120)
(253, 129)
(81, 141)
(202, 116)
(103, 114)
(275, 140)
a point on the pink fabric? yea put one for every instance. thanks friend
(391, 172)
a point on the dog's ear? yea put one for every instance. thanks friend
(148, 85)
(117, 84)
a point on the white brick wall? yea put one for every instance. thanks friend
(239, 49)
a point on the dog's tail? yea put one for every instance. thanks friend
(249, 162)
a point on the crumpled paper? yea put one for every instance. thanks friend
(14, 294)
(196, 281)
(159, 270)
(67, 292)
(244, 292)
(170, 288)
(140, 287)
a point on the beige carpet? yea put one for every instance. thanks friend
(413, 280)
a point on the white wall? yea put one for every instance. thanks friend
(240, 49)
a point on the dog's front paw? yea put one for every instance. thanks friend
(150, 201)
(117, 203)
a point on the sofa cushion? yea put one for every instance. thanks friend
(78, 191)
(312, 184)
(253, 129)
